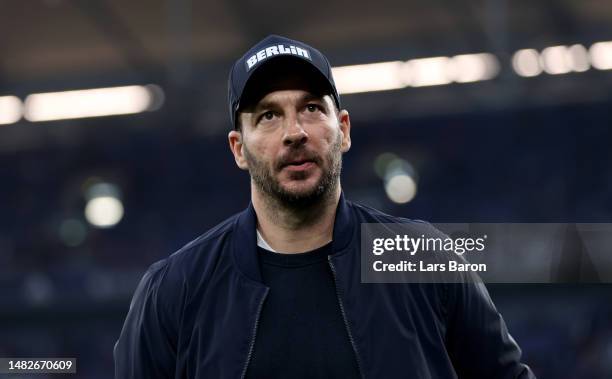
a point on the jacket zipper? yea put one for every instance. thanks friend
(348, 329)
(252, 344)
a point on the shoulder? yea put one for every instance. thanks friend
(193, 260)
(209, 243)
(415, 227)
(367, 214)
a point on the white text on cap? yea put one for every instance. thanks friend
(275, 50)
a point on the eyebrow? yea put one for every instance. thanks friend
(304, 98)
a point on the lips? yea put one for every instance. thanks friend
(299, 162)
(300, 167)
(297, 159)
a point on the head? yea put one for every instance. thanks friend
(290, 134)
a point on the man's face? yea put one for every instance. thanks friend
(292, 142)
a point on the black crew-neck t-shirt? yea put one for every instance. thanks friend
(301, 331)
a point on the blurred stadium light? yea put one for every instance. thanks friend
(381, 163)
(561, 59)
(427, 71)
(72, 232)
(473, 67)
(91, 103)
(104, 211)
(431, 71)
(578, 58)
(554, 60)
(369, 77)
(401, 188)
(601, 55)
(466, 68)
(11, 109)
(104, 208)
(526, 62)
(399, 177)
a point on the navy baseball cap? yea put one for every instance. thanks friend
(280, 50)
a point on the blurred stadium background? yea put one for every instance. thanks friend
(462, 111)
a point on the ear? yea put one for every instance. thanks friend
(344, 121)
(236, 144)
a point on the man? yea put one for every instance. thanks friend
(275, 291)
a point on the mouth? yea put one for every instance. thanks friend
(299, 165)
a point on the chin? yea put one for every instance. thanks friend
(301, 190)
(304, 184)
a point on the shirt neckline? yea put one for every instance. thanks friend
(294, 259)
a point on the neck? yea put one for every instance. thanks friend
(295, 230)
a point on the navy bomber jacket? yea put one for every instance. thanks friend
(195, 313)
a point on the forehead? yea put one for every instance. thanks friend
(290, 94)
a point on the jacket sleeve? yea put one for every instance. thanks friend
(478, 340)
(146, 347)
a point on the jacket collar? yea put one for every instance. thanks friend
(244, 237)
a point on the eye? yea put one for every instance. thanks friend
(313, 107)
(269, 115)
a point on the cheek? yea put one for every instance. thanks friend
(332, 138)
(261, 150)
(322, 132)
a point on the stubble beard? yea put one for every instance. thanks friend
(262, 174)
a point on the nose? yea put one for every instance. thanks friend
(294, 132)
